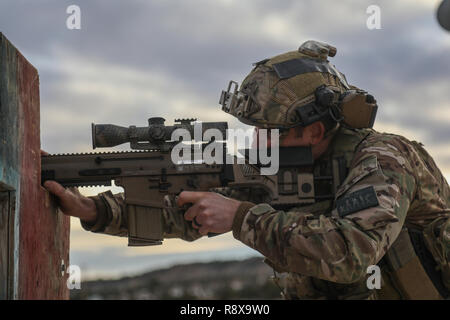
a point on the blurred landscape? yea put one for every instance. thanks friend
(244, 279)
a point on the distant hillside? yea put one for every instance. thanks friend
(246, 279)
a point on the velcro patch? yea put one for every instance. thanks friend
(357, 201)
(294, 67)
(261, 209)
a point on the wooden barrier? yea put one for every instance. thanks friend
(34, 236)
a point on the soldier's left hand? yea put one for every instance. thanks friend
(210, 212)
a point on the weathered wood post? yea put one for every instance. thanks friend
(34, 237)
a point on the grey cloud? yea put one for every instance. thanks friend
(199, 43)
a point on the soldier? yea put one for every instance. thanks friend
(390, 203)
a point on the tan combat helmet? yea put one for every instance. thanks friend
(298, 88)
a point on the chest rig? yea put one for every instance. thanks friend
(301, 181)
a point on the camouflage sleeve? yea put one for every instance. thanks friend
(110, 215)
(338, 248)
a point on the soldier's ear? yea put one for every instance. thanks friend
(316, 132)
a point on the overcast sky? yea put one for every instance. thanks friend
(133, 59)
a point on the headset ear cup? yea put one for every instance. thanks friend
(358, 109)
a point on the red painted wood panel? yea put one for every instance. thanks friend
(43, 232)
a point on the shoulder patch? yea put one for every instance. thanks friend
(357, 201)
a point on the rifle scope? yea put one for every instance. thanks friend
(156, 136)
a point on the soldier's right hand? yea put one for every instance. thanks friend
(72, 202)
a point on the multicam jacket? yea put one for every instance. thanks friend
(324, 249)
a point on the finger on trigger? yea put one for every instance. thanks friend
(190, 213)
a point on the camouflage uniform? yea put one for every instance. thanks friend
(325, 254)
